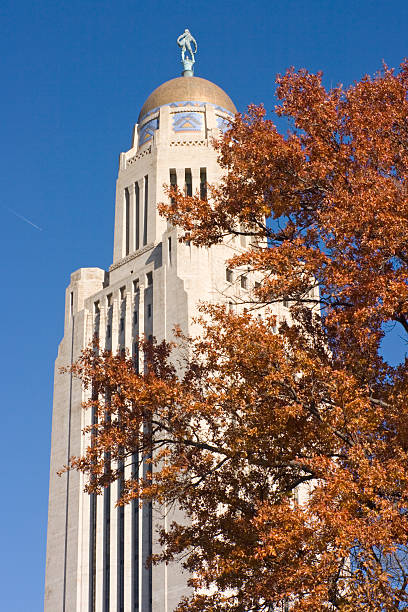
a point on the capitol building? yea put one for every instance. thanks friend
(96, 552)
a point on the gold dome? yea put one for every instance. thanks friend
(187, 89)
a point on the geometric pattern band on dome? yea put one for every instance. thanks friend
(147, 130)
(182, 103)
(188, 121)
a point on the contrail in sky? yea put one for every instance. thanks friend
(24, 219)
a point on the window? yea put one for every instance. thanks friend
(188, 182)
(136, 285)
(120, 542)
(96, 308)
(136, 366)
(286, 303)
(127, 220)
(71, 303)
(244, 281)
(137, 215)
(173, 181)
(146, 202)
(173, 177)
(257, 285)
(203, 183)
(106, 544)
(169, 249)
(149, 311)
(109, 300)
(122, 324)
(108, 331)
(149, 278)
(228, 275)
(135, 317)
(122, 293)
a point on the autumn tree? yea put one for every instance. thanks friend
(285, 446)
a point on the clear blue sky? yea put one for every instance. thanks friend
(74, 76)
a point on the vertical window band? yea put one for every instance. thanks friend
(203, 183)
(127, 220)
(92, 531)
(146, 202)
(135, 513)
(188, 182)
(121, 544)
(173, 180)
(137, 215)
(106, 529)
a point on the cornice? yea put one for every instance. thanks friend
(131, 257)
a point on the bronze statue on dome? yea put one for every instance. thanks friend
(185, 41)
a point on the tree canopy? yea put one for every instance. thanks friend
(284, 443)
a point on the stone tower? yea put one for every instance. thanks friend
(96, 552)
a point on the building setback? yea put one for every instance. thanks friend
(96, 552)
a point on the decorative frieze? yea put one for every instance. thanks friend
(130, 257)
(143, 153)
(189, 143)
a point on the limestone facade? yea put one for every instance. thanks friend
(96, 552)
